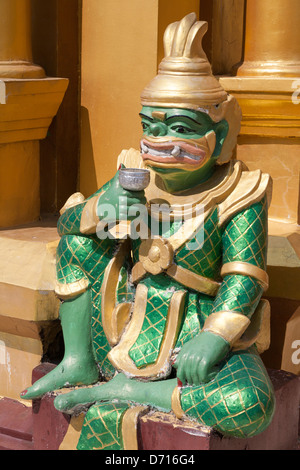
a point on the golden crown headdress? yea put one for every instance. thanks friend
(185, 80)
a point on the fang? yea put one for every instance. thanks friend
(176, 151)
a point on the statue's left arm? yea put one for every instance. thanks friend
(244, 281)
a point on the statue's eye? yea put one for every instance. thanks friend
(145, 126)
(182, 129)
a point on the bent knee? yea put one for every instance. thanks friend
(250, 411)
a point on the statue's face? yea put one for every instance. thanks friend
(180, 140)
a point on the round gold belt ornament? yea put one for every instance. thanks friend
(156, 255)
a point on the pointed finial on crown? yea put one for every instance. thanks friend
(184, 77)
(185, 80)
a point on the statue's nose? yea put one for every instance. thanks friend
(158, 129)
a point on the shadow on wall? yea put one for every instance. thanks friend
(87, 174)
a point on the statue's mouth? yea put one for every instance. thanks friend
(172, 151)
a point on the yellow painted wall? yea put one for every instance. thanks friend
(19, 183)
(121, 47)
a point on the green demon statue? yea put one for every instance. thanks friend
(171, 319)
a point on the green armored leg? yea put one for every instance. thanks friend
(102, 428)
(239, 402)
(78, 365)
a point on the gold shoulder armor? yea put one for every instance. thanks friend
(76, 198)
(251, 188)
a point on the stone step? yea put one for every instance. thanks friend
(12, 443)
(16, 427)
(158, 431)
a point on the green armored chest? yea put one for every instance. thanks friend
(170, 313)
(199, 252)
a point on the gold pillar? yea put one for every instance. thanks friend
(272, 39)
(28, 102)
(267, 87)
(15, 41)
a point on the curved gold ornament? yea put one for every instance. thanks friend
(176, 404)
(89, 219)
(114, 316)
(119, 356)
(258, 331)
(239, 330)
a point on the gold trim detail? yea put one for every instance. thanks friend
(258, 331)
(129, 426)
(66, 291)
(216, 190)
(119, 356)
(176, 404)
(199, 199)
(227, 324)
(156, 255)
(246, 269)
(89, 219)
(73, 200)
(252, 187)
(114, 318)
(183, 276)
(193, 281)
(72, 436)
(138, 272)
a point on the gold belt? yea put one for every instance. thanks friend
(181, 275)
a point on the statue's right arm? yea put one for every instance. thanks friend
(74, 219)
(109, 204)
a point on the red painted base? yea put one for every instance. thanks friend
(15, 426)
(162, 432)
(44, 428)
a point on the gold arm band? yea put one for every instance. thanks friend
(246, 269)
(227, 324)
(66, 291)
(89, 219)
(176, 404)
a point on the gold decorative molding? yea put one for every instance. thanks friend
(28, 107)
(268, 105)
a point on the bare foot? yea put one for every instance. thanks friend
(67, 374)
